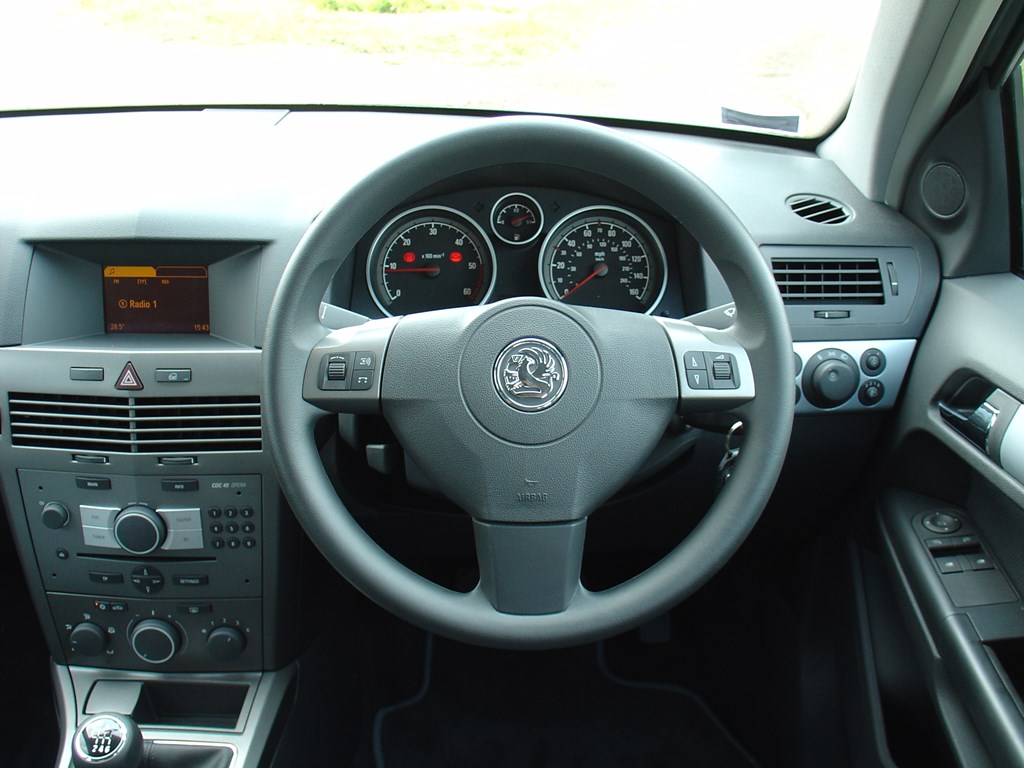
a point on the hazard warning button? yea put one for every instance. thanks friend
(129, 378)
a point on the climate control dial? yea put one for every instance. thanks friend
(155, 641)
(139, 529)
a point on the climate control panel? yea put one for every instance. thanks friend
(175, 636)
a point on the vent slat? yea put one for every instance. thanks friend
(136, 425)
(819, 209)
(838, 281)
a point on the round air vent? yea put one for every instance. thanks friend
(819, 209)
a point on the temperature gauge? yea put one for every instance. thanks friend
(517, 219)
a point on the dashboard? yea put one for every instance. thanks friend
(134, 299)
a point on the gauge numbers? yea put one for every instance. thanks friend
(603, 256)
(517, 219)
(430, 258)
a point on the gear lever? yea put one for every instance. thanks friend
(107, 741)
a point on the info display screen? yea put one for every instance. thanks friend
(150, 299)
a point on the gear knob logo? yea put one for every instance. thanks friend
(530, 374)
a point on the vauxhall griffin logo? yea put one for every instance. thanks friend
(530, 374)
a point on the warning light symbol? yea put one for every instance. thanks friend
(129, 378)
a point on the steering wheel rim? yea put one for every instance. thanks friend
(293, 329)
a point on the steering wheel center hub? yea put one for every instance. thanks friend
(530, 374)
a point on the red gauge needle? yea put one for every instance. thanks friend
(430, 270)
(599, 271)
(520, 220)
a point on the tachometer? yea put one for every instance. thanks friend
(430, 258)
(603, 257)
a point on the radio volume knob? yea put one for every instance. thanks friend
(55, 515)
(154, 641)
(139, 529)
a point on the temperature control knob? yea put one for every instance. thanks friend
(226, 643)
(87, 639)
(139, 530)
(154, 640)
(831, 378)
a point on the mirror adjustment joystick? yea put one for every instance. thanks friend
(107, 740)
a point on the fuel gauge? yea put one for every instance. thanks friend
(517, 219)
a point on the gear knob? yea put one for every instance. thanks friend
(107, 741)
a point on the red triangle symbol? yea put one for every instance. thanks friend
(129, 378)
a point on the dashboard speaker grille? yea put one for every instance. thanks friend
(136, 424)
(819, 209)
(857, 281)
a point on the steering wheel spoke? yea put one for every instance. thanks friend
(529, 570)
(343, 370)
(713, 366)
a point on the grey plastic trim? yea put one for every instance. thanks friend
(898, 353)
(265, 702)
(1011, 451)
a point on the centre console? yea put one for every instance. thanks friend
(160, 556)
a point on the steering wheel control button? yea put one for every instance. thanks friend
(722, 367)
(871, 392)
(530, 374)
(942, 522)
(364, 360)
(697, 379)
(362, 380)
(337, 368)
(872, 362)
(147, 579)
(694, 361)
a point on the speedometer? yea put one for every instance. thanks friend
(430, 258)
(603, 257)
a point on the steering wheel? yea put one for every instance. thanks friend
(527, 413)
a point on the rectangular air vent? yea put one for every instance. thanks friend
(850, 281)
(136, 424)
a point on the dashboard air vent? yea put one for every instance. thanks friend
(136, 424)
(820, 210)
(856, 281)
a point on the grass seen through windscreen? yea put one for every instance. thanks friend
(667, 60)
